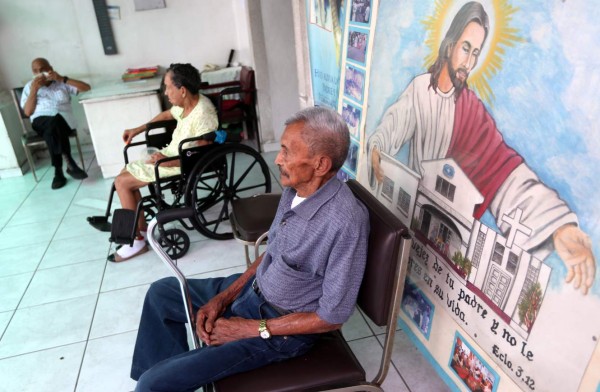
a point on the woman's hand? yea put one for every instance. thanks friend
(157, 156)
(129, 134)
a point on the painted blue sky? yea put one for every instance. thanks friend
(547, 93)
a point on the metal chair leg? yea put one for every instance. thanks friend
(79, 150)
(30, 161)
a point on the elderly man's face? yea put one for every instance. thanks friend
(39, 66)
(465, 53)
(296, 164)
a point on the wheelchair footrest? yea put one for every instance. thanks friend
(99, 222)
(123, 225)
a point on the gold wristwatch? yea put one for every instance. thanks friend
(263, 331)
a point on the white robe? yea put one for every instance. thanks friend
(426, 119)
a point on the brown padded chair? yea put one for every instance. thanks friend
(30, 138)
(251, 219)
(330, 364)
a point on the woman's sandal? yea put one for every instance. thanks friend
(116, 258)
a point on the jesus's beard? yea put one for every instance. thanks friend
(459, 78)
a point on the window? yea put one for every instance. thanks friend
(403, 201)
(498, 253)
(445, 188)
(513, 262)
(387, 189)
(478, 248)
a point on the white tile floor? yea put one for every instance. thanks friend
(68, 319)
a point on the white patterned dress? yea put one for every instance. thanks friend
(202, 119)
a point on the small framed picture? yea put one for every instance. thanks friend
(417, 307)
(352, 158)
(320, 14)
(354, 83)
(361, 11)
(352, 115)
(343, 175)
(467, 363)
(357, 45)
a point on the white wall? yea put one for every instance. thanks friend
(196, 31)
(278, 27)
(66, 32)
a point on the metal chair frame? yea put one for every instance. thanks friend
(30, 139)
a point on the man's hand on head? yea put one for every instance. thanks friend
(55, 76)
(38, 82)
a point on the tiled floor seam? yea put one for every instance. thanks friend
(87, 340)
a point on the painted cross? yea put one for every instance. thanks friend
(514, 222)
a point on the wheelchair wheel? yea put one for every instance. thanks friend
(226, 173)
(175, 243)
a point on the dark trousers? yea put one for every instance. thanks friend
(162, 360)
(55, 130)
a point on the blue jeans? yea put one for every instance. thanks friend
(162, 360)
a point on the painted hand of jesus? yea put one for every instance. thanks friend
(575, 249)
(375, 162)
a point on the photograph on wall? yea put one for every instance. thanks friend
(354, 83)
(490, 163)
(344, 176)
(352, 115)
(352, 158)
(360, 11)
(418, 308)
(474, 372)
(357, 45)
(324, 30)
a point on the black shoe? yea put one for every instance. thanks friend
(77, 173)
(58, 182)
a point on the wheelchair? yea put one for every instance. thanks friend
(212, 176)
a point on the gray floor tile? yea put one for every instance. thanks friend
(368, 352)
(22, 259)
(61, 283)
(118, 311)
(47, 326)
(4, 320)
(12, 289)
(54, 370)
(93, 245)
(107, 364)
(27, 234)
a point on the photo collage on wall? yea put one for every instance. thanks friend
(352, 103)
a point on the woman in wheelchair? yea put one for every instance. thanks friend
(195, 115)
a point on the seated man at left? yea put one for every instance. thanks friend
(47, 101)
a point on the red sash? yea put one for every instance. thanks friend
(479, 149)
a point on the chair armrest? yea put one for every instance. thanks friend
(161, 161)
(231, 90)
(207, 86)
(160, 124)
(210, 137)
(166, 216)
(127, 146)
